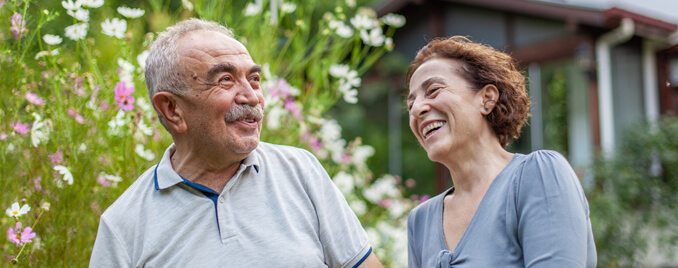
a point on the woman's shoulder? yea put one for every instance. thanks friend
(544, 161)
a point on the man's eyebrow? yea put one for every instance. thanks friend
(426, 84)
(219, 68)
(255, 69)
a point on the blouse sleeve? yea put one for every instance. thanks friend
(553, 215)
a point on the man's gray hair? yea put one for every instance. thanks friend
(163, 70)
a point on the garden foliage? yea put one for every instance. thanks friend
(77, 126)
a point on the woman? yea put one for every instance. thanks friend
(467, 101)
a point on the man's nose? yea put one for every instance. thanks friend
(247, 94)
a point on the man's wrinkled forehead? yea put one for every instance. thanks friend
(210, 42)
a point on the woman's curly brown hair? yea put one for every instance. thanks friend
(483, 65)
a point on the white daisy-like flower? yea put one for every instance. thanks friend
(344, 182)
(126, 71)
(52, 39)
(252, 9)
(40, 130)
(92, 3)
(70, 5)
(362, 22)
(344, 31)
(288, 7)
(145, 154)
(63, 170)
(374, 38)
(351, 96)
(16, 211)
(394, 20)
(131, 13)
(114, 27)
(77, 31)
(80, 14)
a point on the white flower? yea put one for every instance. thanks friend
(361, 154)
(288, 7)
(397, 208)
(83, 147)
(76, 31)
(141, 59)
(111, 178)
(388, 43)
(70, 5)
(339, 70)
(358, 207)
(144, 105)
(16, 211)
(330, 131)
(344, 182)
(350, 3)
(374, 237)
(352, 79)
(116, 124)
(131, 13)
(145, 154)
(333, 24)
(375, 37)
(381, 188)
(273, 117)
(187, 5)
(80, 14)
(68, 177)
(52, 39)
(114, 28)
(362, 22)
(252, 9)
(46, 53)
(394, 20)
(40, 130)
(93, 3)
(126, 71)
(344, 31)
(351, 96)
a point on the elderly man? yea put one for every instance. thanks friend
(219, 197)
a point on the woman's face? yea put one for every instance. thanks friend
(445, 112)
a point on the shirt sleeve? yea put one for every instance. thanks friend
(412, 260)
(343, 238)
(553, 216)
(108, 250)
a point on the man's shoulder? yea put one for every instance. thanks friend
(277, 151)
(131, 200)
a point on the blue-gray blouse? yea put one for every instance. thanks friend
(534, 214)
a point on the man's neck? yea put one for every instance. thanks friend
(213, 172)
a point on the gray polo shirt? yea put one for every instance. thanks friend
(279, 209)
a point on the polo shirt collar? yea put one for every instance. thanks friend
(165, 176)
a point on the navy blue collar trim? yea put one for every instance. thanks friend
(155, 177)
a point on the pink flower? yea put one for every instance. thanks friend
(35, 99)
(19, 237)
(289, 105)
(280, 88)
(18, 26)
(3, 136)
(424, 198)
(103, 181)
(123, 96)
(20, 128)
(76, 115)
(56, 158)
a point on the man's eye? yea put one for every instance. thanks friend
(255, 78)
(225, 79)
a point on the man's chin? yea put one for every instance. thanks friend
(245, 146)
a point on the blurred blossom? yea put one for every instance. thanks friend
(410, 183)
(116, 124)
(350, 3)
(126, 71)
(142, 131)
(141, 59)
(330, 130)
(46, 53)
(292, 107)
(273, 117)
(108, 180)
(396, 208)
(394, 20)
(344, 182)
(79, 14)
(288, 7)
(17, 211)
(76, 31)
(351, 96)
(56, 158)
(20, 128)
(374, 37)
(344, 31)
(339, 70)
(45, 206)
(74, 114)
(70, 5)
(363, 22)
(37, 183)
(40, 130)
(18, 236)
(361, 154)
(123, 96)
(388, 43)
(145, 154)
(187, 5)
(358, 207)
(382, 188)
(114, 27)
(424, 198)
(374, 237)
(83, 147)
(92, 3)
(52, 39)
(252, 9)
(131, 13)
(63, 170)
(18, 27)
(3, 136)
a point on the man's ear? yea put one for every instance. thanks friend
(166, 104)
(489, 96)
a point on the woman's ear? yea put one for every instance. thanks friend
(489, 95)
(166, 104)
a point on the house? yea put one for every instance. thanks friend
(592, 72)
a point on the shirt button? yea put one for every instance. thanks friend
(222, 199)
